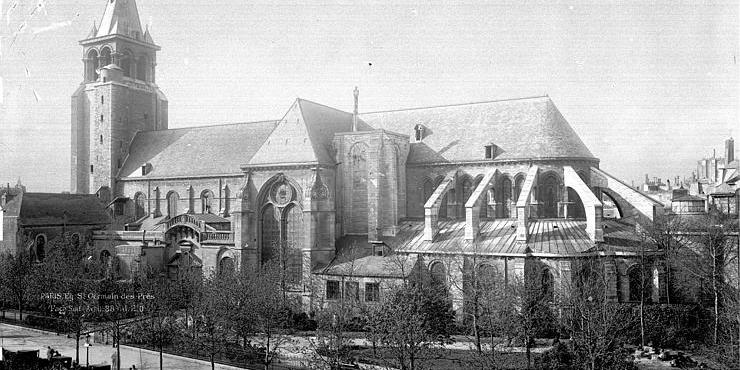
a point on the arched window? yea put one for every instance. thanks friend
(40, 247)
(467, 191)
(91, 66)
(547, 284)
(293, 225)
(139, 205)
(105, 57)
(484, 200)
(226, 265)
(438, 273)
(443, 205)
(270, 233)
(359, 209)
(281, 228)
(549, 195)
(427, 192)
(518, 184)
(172, 199)
(451, 195)
(206, 201)
(127, 60)
(141, 68)
(504, 194)
(639, 283)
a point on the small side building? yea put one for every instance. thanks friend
(31, 220)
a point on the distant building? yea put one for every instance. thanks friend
(717, 180)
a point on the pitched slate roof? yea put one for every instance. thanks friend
(38, 209)
(523, 128)
(392, 266)
(120, 17)
(305, 135)
(194, 151)
(548, 238)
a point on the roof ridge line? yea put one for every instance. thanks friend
(323, 105)
(457, 104)
(209, 126)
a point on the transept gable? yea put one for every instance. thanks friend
(304, 135)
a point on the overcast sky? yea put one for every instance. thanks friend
(650, 87)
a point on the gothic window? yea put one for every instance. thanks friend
(439, 273)
(293, 224)
(443, 206)
(40, 247)
(518, 184)
(484, 199)
(141, 68)
(126, 63)
(505, 197)
(172, 199)
(548, 195)
(105, 57)
(91, 66)
(427, 191)
(282, 229)
(467, 190)
(226, 265)
(139, 205)
(359, 208)
(206, 201)
(270, 233)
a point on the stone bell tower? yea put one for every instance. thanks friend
(117, 97)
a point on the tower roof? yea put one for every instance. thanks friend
(121, 17)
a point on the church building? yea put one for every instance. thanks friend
(502, 181)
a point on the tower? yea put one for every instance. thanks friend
(117, 97)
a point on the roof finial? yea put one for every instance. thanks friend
(354, 115)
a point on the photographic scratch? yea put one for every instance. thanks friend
(51, 27)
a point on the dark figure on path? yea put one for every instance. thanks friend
(49, 353)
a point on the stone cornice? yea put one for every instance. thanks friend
(181, 177)
(547, 160)
(286, 166)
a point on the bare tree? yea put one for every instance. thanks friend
(598, 327)
(16, 278)
(401, 325)
(211, 315)
(71, 270)
(159, 328)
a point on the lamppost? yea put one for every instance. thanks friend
(87, 350)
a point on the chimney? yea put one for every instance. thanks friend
(729, 150)
(354, 115)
